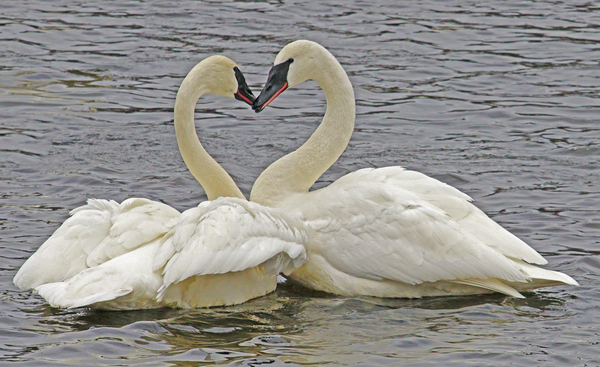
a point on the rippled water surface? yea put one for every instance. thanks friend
(500, 99)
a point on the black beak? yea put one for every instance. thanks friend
(243, 93)
(275, 85)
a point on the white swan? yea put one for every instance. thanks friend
(384, 232)
(145, 254)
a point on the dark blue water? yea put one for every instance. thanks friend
(499, 99)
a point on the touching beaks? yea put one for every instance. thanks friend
(275, 85)
(243, 93)
(268, 95)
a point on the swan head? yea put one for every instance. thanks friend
(296, 63)
(221, 76)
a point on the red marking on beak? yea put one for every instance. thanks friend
(246, 99)
(274, 96)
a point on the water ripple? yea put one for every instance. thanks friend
(500, 99)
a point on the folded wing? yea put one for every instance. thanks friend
(230, 235)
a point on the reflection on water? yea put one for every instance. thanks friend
(499, 99)
(292, 323)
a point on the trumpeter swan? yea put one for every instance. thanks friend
(145, 254)
(385, 232)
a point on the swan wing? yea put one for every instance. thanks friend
(125, 282)
(65, 294)
(64, 254)
(454, 203)
(230, 235)
(94, 233)
(135, 222)
(378, 231)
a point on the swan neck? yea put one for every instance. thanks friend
(299, 170)
(211, 176)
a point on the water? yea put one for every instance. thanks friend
(500, 99)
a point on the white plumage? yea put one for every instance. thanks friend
(95, 233)
(228, 235)
(102, 253)
(223, 236)
(384, 232)
(144, 254)
(374, 237)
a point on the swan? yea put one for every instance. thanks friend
(144, 254)
(385, 232)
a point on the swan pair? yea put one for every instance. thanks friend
(384, 232)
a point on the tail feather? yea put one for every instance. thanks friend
(60, 294)
(492, 285)
(544, 278)
(537, 278)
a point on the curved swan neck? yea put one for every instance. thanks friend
(213, 178)
(299, 170)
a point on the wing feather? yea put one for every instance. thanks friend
(129, 274)
(136, 222)
(229, 235)
(95, 233)
(454, 203)
(371, 229)
(64, 254)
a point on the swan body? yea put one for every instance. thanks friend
(144, 254)
(223, 252)
(386, 232)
